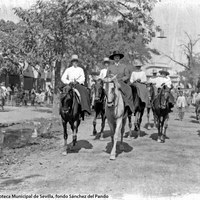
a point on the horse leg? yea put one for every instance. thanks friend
(65, 137)
(165, 128)
(138, 123)
(122, 132)
(130, 126)
(154, 120)
(94, 124)
(76, 125)
(140, 118)
(148, 114)
(159, 131)
(117, 130)
(103, 120)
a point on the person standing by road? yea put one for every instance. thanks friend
(181, 105)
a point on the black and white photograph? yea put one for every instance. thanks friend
(100, 99)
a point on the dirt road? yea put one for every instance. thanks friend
(145, 168)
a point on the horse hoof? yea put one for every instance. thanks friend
(64, 153)
(94, 133)
(112, 157)
(159, 140)
(101, 138)
(129, 138)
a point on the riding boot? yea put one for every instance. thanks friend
(83, 115)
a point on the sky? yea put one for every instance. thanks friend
(175, 17)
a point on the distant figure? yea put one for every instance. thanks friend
(198, 84)
(3, 93)
(49, 95)
(181, 104)
(153, 78)
(9, 91)
(138, 74)
(33, 96)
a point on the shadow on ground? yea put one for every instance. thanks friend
(18, 138)
(193, 117)
(151, 125)
(16, 181)
(194, 121)
(81, 144)
(134, 134)
(154, 136)
(125, 147)
(43, 110)
(198, 132)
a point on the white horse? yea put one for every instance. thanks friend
(115, 112)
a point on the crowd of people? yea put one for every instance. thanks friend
(14, 95)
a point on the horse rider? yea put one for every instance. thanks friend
(102, 75)
(139, 80)
(198, 84)
(154, 77)
(164, 79)
(138, 74)
(122, 73)
(75, 74)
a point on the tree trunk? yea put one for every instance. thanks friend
(56, 85)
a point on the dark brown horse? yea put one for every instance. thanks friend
(139, 108)
(161, 110)
(70, 111)
(151, 95)
(99, 106)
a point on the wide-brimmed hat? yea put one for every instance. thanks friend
(138, 63)
(106, 60)
(164, 72)
(74, 57)
(116, 53)
(154, 71)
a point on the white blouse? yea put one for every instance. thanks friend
(72, 74)
(138, 75)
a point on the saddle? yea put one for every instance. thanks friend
(142, 92)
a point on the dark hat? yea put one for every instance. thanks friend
(116, 53)
(164, 72)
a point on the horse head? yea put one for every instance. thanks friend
(67, 97)
(151, 92)
(98, 90)
(164, 97)
(111, 84)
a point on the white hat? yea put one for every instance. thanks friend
(74, 57)
(106, 59)
(154, 71)
(138, 63)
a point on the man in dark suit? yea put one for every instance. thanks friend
(123, 76)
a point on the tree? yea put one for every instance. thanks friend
(191, 68)
(92, 29)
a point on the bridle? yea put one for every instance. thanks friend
(163, 106)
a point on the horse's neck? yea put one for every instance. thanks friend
(119, 104)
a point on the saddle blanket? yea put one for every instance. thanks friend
(142, 92)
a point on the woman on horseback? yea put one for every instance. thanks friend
(75, 74)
